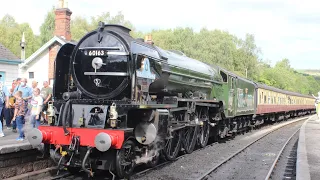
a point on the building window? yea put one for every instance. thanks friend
(31, 75)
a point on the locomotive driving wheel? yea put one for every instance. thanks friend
(172, 146)
(204, 129)
(190, 135)
(125, 160)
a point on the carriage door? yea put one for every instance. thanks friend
(232, 96)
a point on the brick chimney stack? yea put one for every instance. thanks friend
(62, 29)
(62, 20)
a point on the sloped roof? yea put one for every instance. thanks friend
(6, 54)
(7, 57)
(42, 49)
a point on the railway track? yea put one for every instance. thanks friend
(205, 175)
(140, 174)
(137, 175)
(290, 168)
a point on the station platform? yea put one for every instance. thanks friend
(18, 158)
(8, 143)
(308, 153)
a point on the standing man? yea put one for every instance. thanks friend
(18, 81)
(3, 92)
(46, 94)
(34, 85)
(9, 108)
(26, 90)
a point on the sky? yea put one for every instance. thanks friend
(282, 28)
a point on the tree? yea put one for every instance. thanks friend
(80, 25)
(47, 27)
(11, 34)
(216, 47)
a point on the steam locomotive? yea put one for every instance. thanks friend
(120, 101)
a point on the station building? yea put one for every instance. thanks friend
(9, 66)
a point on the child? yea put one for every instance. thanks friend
(19, 114)
(36, 107)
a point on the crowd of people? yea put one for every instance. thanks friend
(22, 103)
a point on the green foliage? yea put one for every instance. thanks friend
(284, 77)
(240, 56)
(11, 34)
(80, 25)
(215, 47)
(47, 27)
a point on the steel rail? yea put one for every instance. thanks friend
(279, 154)
(244, 148)
(61, 176)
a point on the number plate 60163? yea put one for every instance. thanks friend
(96, 53)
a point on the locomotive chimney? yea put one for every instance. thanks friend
(62, 20)
(148, 39)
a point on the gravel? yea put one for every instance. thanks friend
(255, 162)
(197, 163)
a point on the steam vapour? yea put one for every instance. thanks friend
(150, 154)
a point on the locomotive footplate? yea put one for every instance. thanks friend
(122, 103)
